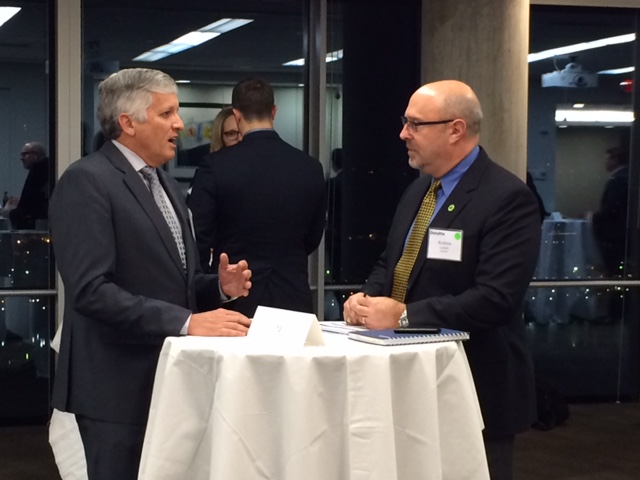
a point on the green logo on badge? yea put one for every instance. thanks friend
(457, 236)
(451, 207)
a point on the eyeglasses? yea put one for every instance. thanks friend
(413, 126)
(23, 154)
(231, 134)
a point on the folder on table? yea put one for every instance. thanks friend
(389, 337)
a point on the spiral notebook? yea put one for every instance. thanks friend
(389, 337)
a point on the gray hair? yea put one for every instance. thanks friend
(466, 107)
(129, 91)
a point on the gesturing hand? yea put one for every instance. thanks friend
(234, 279)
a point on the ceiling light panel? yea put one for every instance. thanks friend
(330, 57)
(193, 39)
(6, 13)
(580, 47)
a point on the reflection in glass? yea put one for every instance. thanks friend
(25, 357)
(610, 220)
(25, 260)
(269, 36)
(568, 251)
(577, 345)
(369, 167)
(26, 180)
(584, 337)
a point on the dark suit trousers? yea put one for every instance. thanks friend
(500, 457)
(112, 450)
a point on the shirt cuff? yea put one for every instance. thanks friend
(223, 296)
(185, 328)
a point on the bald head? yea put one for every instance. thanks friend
(442, 126)
(32, 153)
(455, 99)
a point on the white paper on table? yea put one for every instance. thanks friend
(279, 327)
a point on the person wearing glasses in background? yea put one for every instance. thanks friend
(33, 203)
(225, 130)
(460, 254)
(224, 133)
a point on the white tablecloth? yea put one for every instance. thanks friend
(568, 251)
(224, 409)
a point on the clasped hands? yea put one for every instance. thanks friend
(374, 313)
(235, 281)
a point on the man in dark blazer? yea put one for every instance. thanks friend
(474, 263)
(33, 203)
(610, 221)
(130, 278)
(262, 200)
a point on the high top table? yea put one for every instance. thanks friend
(226, 408)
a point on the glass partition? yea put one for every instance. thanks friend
(245, 38)
(25, 354)
(26, 181)
(369, 169)
(582, 308)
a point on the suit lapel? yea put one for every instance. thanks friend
(136, 185)
(461, 195)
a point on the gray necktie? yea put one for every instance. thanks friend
(158, 195)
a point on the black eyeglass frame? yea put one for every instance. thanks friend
(231, 134)
(406, 121)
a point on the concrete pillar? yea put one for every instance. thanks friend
(484, 43)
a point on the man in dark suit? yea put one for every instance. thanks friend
(262, 200)
(473, 262)
(130, 269)
(33, 203)
(610, 221)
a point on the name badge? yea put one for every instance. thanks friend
(445, 245)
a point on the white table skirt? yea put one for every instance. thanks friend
(223, 409)
(568, 251)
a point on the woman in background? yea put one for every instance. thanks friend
(225, 130)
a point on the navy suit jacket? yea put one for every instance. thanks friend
(263, 201)
(125, 287)
(34, 199)
(483, 293)
(610, 221)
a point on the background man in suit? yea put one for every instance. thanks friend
(492, 217)
(610, 221)
(33, 202)
(130, 269)
(262, 200)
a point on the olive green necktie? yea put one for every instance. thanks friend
(405, 264)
